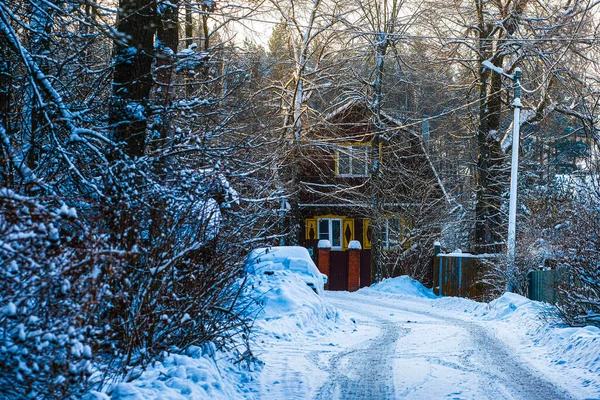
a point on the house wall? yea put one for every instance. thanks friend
(409, 183)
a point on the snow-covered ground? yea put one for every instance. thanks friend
(393, 340)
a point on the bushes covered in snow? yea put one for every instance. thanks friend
(49, 288)
(564, 227)
(177, 286)
(147, 268)
(579, 258)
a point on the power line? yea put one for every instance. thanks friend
(400, 36)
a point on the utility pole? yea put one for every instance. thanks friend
(514, 168)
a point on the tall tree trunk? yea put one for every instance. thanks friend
(132, 79)
(168, 36)
(377, 272)
(295, 127)
(41, 24)
(5, 84)
(486, 205)
(491, 167)
(5, 112)
(205, 33)
(189, 33)
(189, 24)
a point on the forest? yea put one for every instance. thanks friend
(148, 145)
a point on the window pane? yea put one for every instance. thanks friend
(336, 233)
(344, 162)
(323, 229)
(359, 161)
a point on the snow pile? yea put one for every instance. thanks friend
(294, 258)
(293, 328)
(570, 348)
(533, 327)
(463, 305)
(288, 307)
(402, 285)
(195, 375)
(267, 260)
(529, 327)
(575, 346)
(512, 306)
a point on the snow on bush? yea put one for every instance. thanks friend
(565, 219)
(285, 308)
(197, 374)
(48, 287)
(89, 295)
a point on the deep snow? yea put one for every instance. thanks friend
(393, 340)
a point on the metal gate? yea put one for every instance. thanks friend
(365, 268)
(338, 270)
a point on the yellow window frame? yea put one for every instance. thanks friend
(347, 223)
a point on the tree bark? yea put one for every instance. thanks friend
(491, 166)
(488, 220)
(41, 23)
(377, 272)
(168, 36)
(132, 79)
(5, 111)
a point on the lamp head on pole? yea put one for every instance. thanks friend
(517, 86)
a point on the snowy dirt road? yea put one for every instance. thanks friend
(420, 354)
(400, 349)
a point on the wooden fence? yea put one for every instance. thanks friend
(459, 274)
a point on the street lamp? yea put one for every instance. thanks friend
(514, 166)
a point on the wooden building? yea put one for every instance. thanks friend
(340, 200)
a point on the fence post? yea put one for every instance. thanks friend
(460, 292)
(437, 249)
(324, 258)
(354, 248)
(441, 293)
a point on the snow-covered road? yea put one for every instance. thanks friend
(402, 348)
(394, 340)
(420, 354)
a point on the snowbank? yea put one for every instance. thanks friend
(566, 347)
(294, 327)
(531, 328)
(288, 307)
(402, 285)
(191, 376)
(286, 310)
(267, 260)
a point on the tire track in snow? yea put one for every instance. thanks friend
(361, 372)
(498, 373)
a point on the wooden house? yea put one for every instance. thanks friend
(340, 199)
